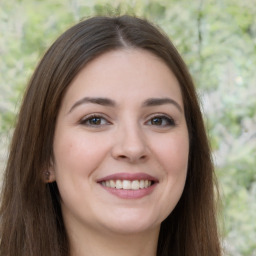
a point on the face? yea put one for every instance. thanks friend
(121, 144)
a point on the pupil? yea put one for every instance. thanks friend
(95, 121)
(157, 121)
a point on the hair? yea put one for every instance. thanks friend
(31, 222)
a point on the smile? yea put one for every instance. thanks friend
(127, 184)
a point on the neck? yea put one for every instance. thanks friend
(95, 243)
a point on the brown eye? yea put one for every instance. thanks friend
(94, 121)
(162, 121)
(157, 121)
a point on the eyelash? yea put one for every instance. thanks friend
(168, 121)
(87, 119)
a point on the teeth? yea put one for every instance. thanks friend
(112, 184)
(135, 184)
(119, 184)
(127, 184)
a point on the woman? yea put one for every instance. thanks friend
(109, 154)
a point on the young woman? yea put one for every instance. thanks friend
(109, 155)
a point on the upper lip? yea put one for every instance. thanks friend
(128, 176)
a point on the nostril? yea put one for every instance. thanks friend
(132, 158)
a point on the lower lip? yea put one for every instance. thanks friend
(129, 193)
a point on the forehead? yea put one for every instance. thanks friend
(125, 73)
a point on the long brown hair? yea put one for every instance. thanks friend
(31, 223)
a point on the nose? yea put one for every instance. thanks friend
(130, 145)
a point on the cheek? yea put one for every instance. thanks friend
(173, 154)
(76, 153)
(173, 157)
(76, 158)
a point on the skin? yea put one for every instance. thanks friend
(128, 137)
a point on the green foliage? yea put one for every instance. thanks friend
(218, 41)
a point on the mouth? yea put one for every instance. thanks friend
(126, 185)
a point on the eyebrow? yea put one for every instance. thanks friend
(100, 101)
(110, 103)
(161, 101)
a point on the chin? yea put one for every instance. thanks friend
(132, 229)
(130, 224)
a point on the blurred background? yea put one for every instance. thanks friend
(217, 39)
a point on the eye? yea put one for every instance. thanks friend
(161, 120)
(94, 120)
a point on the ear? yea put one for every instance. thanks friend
(49, 175)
